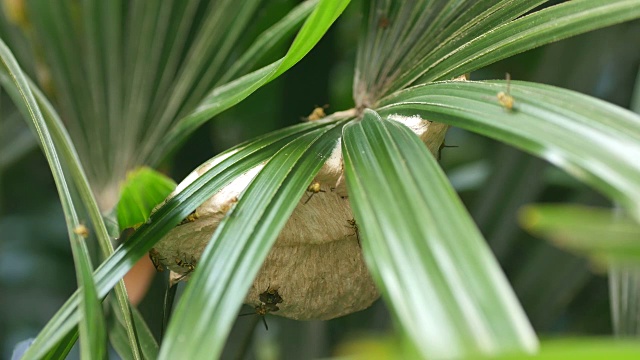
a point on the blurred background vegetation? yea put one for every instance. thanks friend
(560, 292)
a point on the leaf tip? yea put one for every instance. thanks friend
(529, 217)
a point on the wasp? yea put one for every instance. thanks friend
(317, 113)
(354, 226)
(269, 303)
(154, 255)
(262, 310)
(190, 218)
(504, 98)
(189, 265)
(226, 207)
(314, 188)
(81, 230)
(270, 297)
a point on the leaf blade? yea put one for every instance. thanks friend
(142, 191)
(436, 271)
(244, 157)
(250, 230)
(401, 40)
(598, 233)
(269, 38)
(71, 159)
(602, 148)
(223, 97)
(542, 27)
(92, 326)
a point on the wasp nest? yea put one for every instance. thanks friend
(316, 267)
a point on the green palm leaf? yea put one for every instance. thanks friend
(436, 271)
(609, 239)
(542, 27)
(602, 149)
(118, 335)
(240, 245)
(92, 328)
(242, 158)
(140, 193)
(599, 233)
(403, 39)
(584, 348)
(221, 98)
(269, 39)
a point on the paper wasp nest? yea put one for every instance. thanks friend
(316, 268)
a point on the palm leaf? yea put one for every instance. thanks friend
(221, 98)
(435, 269)
(601, 151)
(401, 40)
(92, 329)
(624, 279)
(140, 193)
(269, 39)
(606, 238)
(240, 244)
(601, 234)
(125, 73)
(584, 348)
(118, 334)
(542, 27)
(238, 160)
(62, 348)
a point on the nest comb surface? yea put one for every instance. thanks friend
(316, 264)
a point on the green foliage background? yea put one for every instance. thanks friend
(558, 290)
